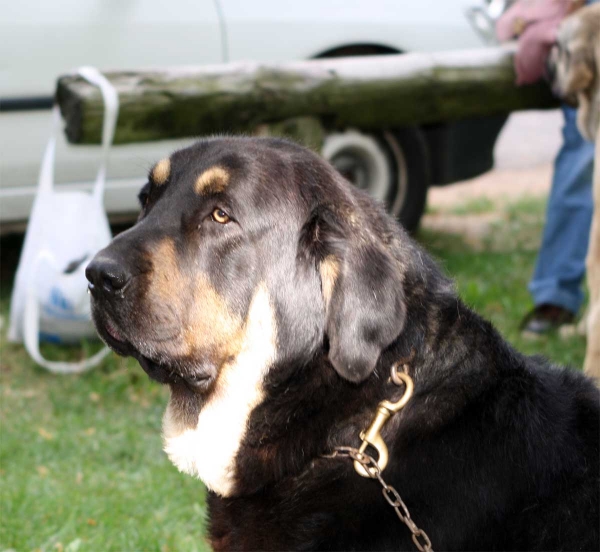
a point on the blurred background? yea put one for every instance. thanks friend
(81, 463)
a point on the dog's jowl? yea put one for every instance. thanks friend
(273, 298)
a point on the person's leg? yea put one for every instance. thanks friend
(561, 261)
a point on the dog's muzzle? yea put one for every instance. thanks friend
(106, 276)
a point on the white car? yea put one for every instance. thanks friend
(42, 39)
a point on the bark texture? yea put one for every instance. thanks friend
(366, 92)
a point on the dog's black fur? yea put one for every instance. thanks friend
(495, 451)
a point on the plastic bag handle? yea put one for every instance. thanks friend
(111, 113)
(109, 123)
(47, 168)
(31, 331)
(32, 308)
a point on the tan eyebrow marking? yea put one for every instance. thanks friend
(161, 171)
(213, 180)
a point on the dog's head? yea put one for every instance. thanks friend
(248, 251)
(573, 66)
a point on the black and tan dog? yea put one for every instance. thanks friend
(273, 298)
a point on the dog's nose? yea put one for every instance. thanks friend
(106, 274)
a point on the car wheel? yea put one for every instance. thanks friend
(390, 165)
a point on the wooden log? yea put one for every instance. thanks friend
(366, 92)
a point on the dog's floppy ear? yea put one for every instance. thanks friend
(363, 296)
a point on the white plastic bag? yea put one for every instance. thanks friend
(65, 231)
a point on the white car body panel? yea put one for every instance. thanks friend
(23, 136)
(307, 29)
(41, 40)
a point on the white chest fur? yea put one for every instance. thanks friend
(208, 450)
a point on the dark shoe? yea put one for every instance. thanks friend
(544, 319)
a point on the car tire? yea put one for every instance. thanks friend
(392, 166)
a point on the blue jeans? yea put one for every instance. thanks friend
(561, 261)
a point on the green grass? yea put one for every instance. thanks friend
(81, 464)
(477, 205)
(494, 281)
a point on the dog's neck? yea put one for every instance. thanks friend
(209, 449)
(312, 410)
(268, 421)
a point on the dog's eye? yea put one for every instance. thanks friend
(144, 195)
(220, 216)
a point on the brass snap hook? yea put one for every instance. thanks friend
(385, 409)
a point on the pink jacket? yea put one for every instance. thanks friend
(535, 23)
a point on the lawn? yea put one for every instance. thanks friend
(81, 464)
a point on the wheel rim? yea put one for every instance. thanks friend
(374, 163)
(401, 173)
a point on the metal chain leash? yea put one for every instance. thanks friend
(392, 496)
(366, 466)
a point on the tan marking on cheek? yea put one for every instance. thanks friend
(167, 284)
(213, 180)
(168, 294)
(165, 280)
(329, 269)
(223, 419)
(208, 327)
(161, 172)
(210, 323)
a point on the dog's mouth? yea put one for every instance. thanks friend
(113, 332)
(111, 335)
(198, 379)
